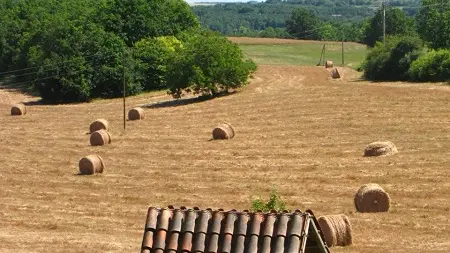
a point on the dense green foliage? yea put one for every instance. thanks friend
(397, 23)
(207, 64)
(391, 61)
(152, 56)
(434, 23)
(432, 66)
(77, 50)
(134, 20)
(399, 58)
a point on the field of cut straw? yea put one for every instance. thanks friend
(296, 130)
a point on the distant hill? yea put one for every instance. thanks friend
(240, 18)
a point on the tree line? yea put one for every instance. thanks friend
(414, 49)
(341, 19)
(77, 50)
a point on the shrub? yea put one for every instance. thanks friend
(273, 203)
(207, 64)
(391, 61)
(433, 66)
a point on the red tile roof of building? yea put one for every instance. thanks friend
(214, 231)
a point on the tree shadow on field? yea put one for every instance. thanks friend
(35, 102)
(185, 101)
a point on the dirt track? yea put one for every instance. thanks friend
(297, 130)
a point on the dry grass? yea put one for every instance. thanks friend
(299, 130)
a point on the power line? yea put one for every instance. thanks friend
(18, 70)
(426, 6)
(55, 68)
(46, 78)
(309, 31)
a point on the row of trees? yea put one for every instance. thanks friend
(247, 19)
(336, 20)
(77, 50)
(332, 3)
(418, 52)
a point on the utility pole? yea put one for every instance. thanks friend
(384, 22)
(342, 39)
(124, 91)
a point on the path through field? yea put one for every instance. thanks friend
(296, 130)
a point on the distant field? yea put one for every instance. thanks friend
(299, 52)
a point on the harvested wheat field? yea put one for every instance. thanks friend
(296, 129)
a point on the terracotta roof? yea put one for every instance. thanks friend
(214, 231)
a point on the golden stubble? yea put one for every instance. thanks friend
(296, 129)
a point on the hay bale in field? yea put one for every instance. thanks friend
(223, 131)
(335, 73)
(371, 198)
(328, 64)
(136, 113)
(336, 229)
(98, 125)
(91, 164)
(18, 109)
(100, 138)
(380, 148)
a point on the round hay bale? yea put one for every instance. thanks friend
(380, 148)
(223, 131)
(335, 73)
(100, 138)
(336, 229)
(136, 113)
(328, 64)
(91, 164)
(98, 125)
(18, 109)
(371, 198)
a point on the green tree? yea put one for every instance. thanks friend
(397, 23)
(303, 24)
(134, 20)
(151, 56)
(207, 64)
(329, 32)
(77, 63)
(433, 23)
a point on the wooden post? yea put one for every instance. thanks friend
(124, 92)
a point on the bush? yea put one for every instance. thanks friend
(433, 66)
(273, 203)
(207, 64)
(391, 61)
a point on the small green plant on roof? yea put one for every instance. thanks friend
(273, 203)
